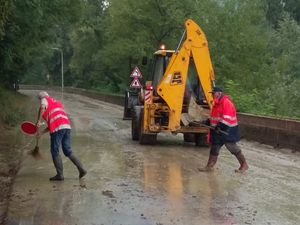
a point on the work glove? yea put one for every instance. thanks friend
(218, 129)
(194, 123)
(206, 122)
(221, 128)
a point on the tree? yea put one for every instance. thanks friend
(275, 10)
(283, 91)
(30, 28)
(87, 41)
(5, 7)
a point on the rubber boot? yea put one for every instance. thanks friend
(59, 169)
(77, 163)
(212, 160)
(243, 164)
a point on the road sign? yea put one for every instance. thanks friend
(136, 73)
(135, 83)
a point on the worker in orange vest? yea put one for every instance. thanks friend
(52, 111)
(225, 131)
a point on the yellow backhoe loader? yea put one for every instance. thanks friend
(178, 91)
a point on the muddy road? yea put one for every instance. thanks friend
(130, 184)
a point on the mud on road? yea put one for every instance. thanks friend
(130, 184)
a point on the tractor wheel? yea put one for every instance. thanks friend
(136, 123)
(146, 138)
(130, 100)
(189, 137)
(127, 111)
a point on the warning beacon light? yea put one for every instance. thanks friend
(149, 87)
(162, 47)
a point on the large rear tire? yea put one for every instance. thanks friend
(126, 113)
(136, 122)
(146, 138)
(130, 100)
(189, 137)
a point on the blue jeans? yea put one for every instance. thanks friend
(61, 137)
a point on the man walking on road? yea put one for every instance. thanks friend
(52, 111)
(224, 120)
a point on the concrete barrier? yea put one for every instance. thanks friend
(280, 133)
(271, 131)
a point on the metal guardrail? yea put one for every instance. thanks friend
(280, 133)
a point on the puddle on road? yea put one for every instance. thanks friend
(131, 184)
(138, 186)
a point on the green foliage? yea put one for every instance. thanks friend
(283, 89)
(31, 28)
(276, 9)
(254, 44)
(248, 101)
(5, 7)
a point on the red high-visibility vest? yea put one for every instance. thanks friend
(223, 111)
(55, 115)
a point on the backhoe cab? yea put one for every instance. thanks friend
(178, 91)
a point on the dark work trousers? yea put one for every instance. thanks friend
(231, 146)
(61, 138)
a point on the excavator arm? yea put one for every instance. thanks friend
(172, 86)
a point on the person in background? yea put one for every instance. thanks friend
(52, 111)
(225, 130)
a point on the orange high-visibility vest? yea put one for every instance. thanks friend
(223, 111)
(55, 115)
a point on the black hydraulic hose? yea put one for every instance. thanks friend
(181, 40)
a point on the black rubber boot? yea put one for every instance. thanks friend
(212, 160)
(77, 163)
(59, 169)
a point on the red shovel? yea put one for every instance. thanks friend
(31, 129)
(28, 128)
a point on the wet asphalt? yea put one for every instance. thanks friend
(131, 184)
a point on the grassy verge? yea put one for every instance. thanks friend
(14, 109)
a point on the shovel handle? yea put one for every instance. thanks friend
(211, 127)
(37, 141)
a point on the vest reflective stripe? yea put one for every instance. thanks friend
(64, 126)
(230, 121)
(53, 111)
(229, 117)
(214, 121)
(223, 111)
(229, 124)
(55, 115)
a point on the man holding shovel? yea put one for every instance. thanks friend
(224, 130)
(52, 111)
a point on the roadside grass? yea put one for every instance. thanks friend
(14, 107)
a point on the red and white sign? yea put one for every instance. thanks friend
(135, 83)
(147, 96)
(136, 73)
